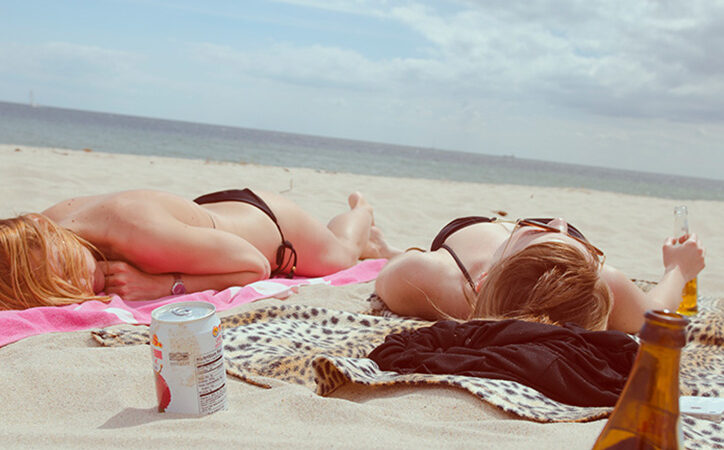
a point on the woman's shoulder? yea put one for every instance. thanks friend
(415, 262)
(104, 200)
(117, 208)
(420, 284)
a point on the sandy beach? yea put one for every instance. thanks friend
(64, 390)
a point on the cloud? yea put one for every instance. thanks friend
(646, 59)
(319, 66)
(610, 58)
(357, 7)
(69, 63)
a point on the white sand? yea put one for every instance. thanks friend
(63, 390)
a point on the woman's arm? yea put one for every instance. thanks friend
(132, 284)
(208, 258)
(682, 263)
(166, 246)
(415, 283)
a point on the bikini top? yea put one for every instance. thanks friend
(459, 224)
(449, 229)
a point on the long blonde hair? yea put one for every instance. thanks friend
(42, 264)
(550, 282)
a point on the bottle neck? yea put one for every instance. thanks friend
(681, 227)
(655, 376)
(681, 223)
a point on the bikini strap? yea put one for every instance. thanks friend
(460, 264)
(456, 225)
(281, 265)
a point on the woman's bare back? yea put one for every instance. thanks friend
(127, 225)
(117, 221)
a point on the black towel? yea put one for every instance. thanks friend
(568, 364)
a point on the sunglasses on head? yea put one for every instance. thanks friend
(571, 231)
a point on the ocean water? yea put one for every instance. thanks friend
(113, 133)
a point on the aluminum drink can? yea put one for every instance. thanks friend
(188, 358)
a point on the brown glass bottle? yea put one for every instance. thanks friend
(646, 415)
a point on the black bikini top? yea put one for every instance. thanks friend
(462, 222)
(449, 229)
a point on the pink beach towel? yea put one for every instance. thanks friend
(19, 324)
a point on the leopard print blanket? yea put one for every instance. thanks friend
(323, 349)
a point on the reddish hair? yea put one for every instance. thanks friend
(28, 277)
(550, 282)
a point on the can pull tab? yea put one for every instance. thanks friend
(181, 311)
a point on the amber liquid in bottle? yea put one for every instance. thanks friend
(689, 293)
(688, 299)
(646, 415)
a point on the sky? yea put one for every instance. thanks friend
(618, 83)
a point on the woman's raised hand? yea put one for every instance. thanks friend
(686, 253)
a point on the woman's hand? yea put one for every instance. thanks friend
(130, 283)
(686, 253)
(630, 303)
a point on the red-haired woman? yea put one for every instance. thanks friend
(146, 244)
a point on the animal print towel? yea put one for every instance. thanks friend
(324, 349)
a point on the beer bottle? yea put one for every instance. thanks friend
(689, 293)
(646, 415)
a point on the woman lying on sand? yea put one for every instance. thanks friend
(147, 244)
(535, 269)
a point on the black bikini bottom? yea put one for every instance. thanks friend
(247, 196)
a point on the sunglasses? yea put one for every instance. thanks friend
(542, 224)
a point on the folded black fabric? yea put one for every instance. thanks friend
(568, 364)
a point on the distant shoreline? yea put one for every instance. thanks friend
(115, 133)
(34, 178)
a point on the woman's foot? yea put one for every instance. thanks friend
(356, 200)
(377, 246)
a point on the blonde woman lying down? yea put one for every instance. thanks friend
(537, 269)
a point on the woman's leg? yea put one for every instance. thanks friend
(348, 237)
(352, 228)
